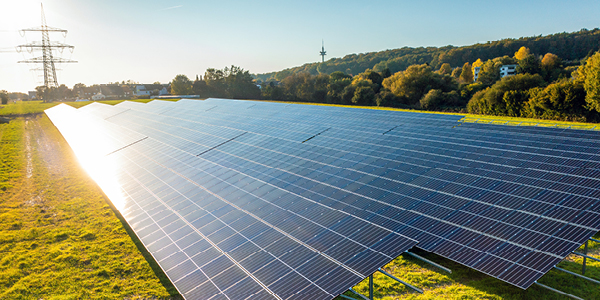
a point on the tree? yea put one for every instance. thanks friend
(522, 53)
(530, 64)
(456, 72)
(181, 85)
(364, 95)
(239, 84)
(591, 83)
(64, 92)
(432, 99)
(563, 100)
(489, 72)
(411, 85)
(551, 67)
(41, 93)
(200, 88)
(338, 81)
(445, 69)
(337, 75)
(550, 61)
(466, 76)
(385, 73)
(4, 96)
(386, 98)
(374, 77)
(477, 63)
(271, 91)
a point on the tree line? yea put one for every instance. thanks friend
(544, 87)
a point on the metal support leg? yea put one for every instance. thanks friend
(584, 258)
(403, 282)
(428, 261)
(587, 256)
(558, 292)
(358, 294)
(577, 275)
(371, 287)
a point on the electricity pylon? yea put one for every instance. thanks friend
(47, 47)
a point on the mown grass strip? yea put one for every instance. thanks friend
(11, 146)
(59, 238)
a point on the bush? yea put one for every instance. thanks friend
(563, 100)
(506, 97)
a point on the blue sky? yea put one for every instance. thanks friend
(154, 40)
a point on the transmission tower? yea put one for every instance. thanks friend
(47, 47)
(323, 53)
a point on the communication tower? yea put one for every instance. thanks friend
(323, 53)
(47, 48)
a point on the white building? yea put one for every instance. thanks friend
(150, 89)
(98, 96)
(505, 70)
(476, 73)
(508, 70)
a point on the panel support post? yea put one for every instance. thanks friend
(558, 292)
(371, 287)
(358, 294)
(586, 256)
(585, 251)
(429, 261)
(346, 297)
(403, 282)
(577, 275)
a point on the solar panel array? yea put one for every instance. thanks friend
(245, 199)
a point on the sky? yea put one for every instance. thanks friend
(154, 40)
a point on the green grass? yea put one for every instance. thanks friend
(24, 107)
(59, 237)
(11, 147)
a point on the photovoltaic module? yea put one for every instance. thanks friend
(261, 200)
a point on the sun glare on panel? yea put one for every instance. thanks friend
(91, 149)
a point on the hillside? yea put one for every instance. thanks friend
(571, 47)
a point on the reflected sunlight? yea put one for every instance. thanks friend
(91, 146)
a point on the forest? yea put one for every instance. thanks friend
(544, 86)
(571, 47)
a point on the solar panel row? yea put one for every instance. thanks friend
(297, 201)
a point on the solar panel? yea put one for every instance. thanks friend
(241, 199)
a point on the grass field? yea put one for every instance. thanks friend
(60, 238)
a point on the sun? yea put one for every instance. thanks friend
(17, 15)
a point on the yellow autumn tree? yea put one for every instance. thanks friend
(550, 61)
(522, 53)
(477, 63)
